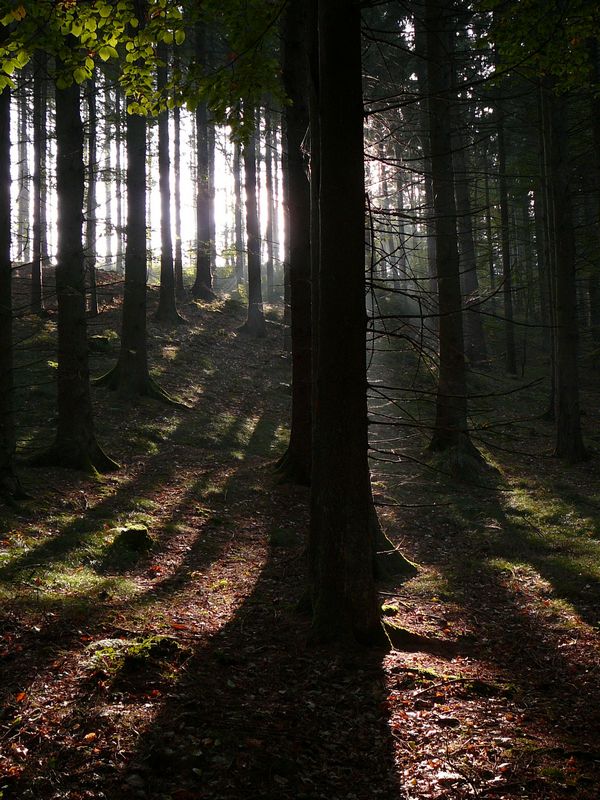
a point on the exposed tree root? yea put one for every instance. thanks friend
(169, 317)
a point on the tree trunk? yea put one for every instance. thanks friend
(9, 485)
(269, 199)
(344, 598)
(24, 195)
(255, 321)
(451, 430)
(90, 227)
(179, 286)
(39, 145)
(119, 177)
(75, 445)
(569, 440)
(475, 347)
(509, 330)
(295, 464)
(167, 306)
(238, 224)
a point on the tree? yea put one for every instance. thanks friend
(295, 463)
(451, 429)
(167, 305)
(75, 445)
(9, 484)
(255, 321)
(342, 580)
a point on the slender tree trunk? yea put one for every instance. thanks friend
(75, 445)
(475, 346)
(255, 321)
(24, 197)
(203, 284)
(239, 233)
(39, 144)
(179, 286)
(119, 177)
(489, 235)
(344, 598)
(451, 430)
(90, 227)
(269, 199)
(108, 173)
(295, 464)
(167, 306)
(507, 294)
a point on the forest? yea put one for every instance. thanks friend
(299, 399)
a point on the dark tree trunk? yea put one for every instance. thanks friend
(9, 485)
(179, 286)
(75, 445)
(167, 306)
(475, 347)
(24, 194)
(255, 321)
(269, 200)
(203, 284)
(119, 177)
(489, 235)
(239, 233)
(569, 440)
(451, 431)
(509, 330)
(344, 598)
(39, 145)
(295, 464)
(108, 171)
(90, 227)
(130, 376)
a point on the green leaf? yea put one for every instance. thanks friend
(180, 36)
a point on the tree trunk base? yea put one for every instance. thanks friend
(462, 460)
(203, 292)
(256, 328)
(170, 317)
(291, 469)
(91, 459)
(128, 390)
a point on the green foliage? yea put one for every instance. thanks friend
(84, 37)
(547, 37)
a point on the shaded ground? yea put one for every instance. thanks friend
(182, 672)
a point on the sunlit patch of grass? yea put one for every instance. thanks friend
(430, 584)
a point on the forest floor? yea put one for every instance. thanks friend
(181, 671)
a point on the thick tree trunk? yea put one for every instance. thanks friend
(295, 464)
(344, 598)
(255, 321)
(75, 445)
(451, 430)
(24, 194)
(569, 440)
(9, 486)
(119, 177)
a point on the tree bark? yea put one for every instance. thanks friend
(255, 321)
(451, 430)
(167, 305)
(569, 439)
(344, 598)
(39, 144)
(90, 206)
(75, 445)
(295, 464)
